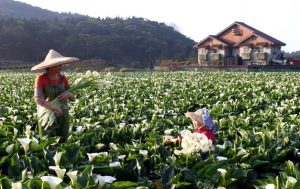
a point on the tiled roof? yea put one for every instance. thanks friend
(214, 37)
(255, 32)
(222, 40)
(262, 34)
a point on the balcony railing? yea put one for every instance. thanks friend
(246, 56)
(261, 56)
(202, 57)
(215, 56)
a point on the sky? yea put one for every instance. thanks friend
(196, 19)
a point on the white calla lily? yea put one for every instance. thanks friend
(178, 152)
(73, 176)
(16, 185)
(223, 174)
(100, 146)
(68, 187)
(168, 131)
(9, 148)
(79, 130)
(121, 157)
(169, 138)
(222, 147)
(290, 182)
(57, 158)
(25, 174)
(88, 72)
(222, 171)
(242, 151)
(34, 143)
(113, 146)
(101, 180)
(115, 164)
(143, 152)
(27, 131)
(221, 158)
(52, 181)
(15, 133)
(25, 143)
(92, 156)
(59, 172)
(95, 73)
(105, 154)
(270, 186)
(108, 75)
(185, 133)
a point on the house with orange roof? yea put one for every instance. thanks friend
(238, 44)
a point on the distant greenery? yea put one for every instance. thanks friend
(293, 55)
(18, 9)
(132, 42)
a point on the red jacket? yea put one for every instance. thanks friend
(209, 133)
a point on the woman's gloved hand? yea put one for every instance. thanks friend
(58, 112)
(65, 96)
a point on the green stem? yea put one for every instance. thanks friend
(187, 161)
(40, 129)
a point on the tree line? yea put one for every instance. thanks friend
(292, 55)
(131, 42)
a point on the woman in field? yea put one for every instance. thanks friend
(49, 85)
(202, 122)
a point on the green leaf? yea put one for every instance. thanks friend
(176, 178)
(164, 153)
(5, 183)
(167, 175)
(35, 164)
(34, 183)
(131, 165)
(260, 163)
(4, 160)
(211, 169)
(252, 175)
(14, 169)
(84, 178)
(183, 185)
(188, 174)
(240, 173)
(122, 184)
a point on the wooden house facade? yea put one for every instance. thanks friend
(238, 44)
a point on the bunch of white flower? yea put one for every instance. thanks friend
(90, 79)
(194, 143)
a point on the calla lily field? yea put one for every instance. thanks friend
(117, 133)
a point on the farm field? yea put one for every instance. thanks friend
(116, 138)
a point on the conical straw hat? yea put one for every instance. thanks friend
(53, 58)
(202, 116)
(196, 116)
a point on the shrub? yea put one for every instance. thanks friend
(110, 69)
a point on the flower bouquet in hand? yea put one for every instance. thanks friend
(194, 143)
(88, 80)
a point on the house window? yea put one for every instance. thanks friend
(275, 50)
(247, 49)
(236, 31)
(202, 51)
(215, 50)
(260, 49)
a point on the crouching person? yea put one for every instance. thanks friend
(202, 122)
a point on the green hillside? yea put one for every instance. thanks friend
(27, 33)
